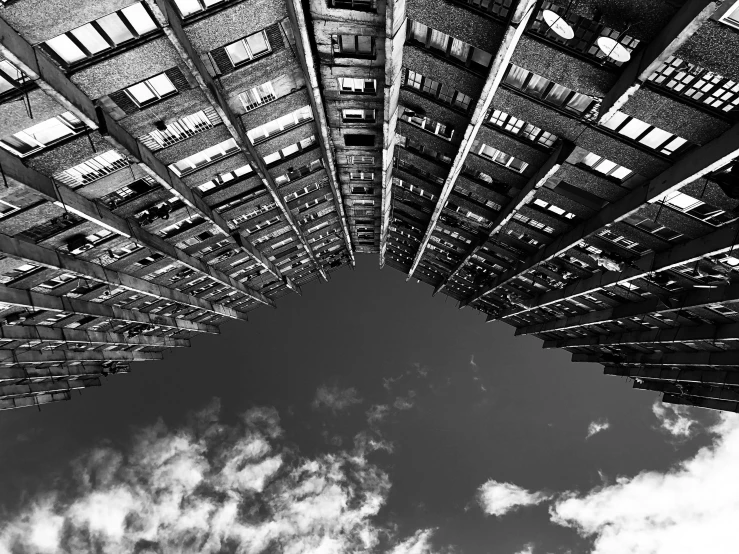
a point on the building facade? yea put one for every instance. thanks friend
(569, 169)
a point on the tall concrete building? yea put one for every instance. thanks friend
(567, 168)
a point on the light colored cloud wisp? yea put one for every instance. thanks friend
(674, 419)
(335, 398)
(497, 499)
(597, 426)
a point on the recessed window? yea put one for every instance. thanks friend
(207, 156)
(152, 90)
(413, 117)
(360, 86)
(353, 46)
(361, 176)
(351, 139)
(288, 121)
(180, 130)
(42, 135)
(501, 158)
(650, 136)
(248, 48)
(522, 129)
(92, 170)
(437, 90)
(650, 226)
(290, 150)
(553, 208)
(10, 76)
(449, 47)
(362, 5)
(190, 7)
(606, 167)
(6, 208)
(698, 209)
(257, 96)
(731, 16)
(101, 35)
(225, 178)
(352, 115)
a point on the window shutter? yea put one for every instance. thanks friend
(275, 37)
(222, 61)
(124, 101)
(178, 78)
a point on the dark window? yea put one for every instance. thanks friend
(354, 46)
(359, 140)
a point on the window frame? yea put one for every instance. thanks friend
(244, 41)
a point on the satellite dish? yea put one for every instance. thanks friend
(557, 25)
(613, 49)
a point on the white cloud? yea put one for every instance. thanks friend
(377, 414)
(210, 487)
(528, 548)
(693, 507)
(497, 499)
(335, 398)
(674, 419)
(403, 403)
(597, 426)
(473, 365)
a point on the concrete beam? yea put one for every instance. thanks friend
(691, 298)
(722, 377)
(98, 214)
(727, 332)
(59, 372)
(169, 18)
(56, 335)
(395, 28)
(682, 26)
(709, 403)
(690, 390)
(34, 400)
(721, 241)
(308, 65)
(517, 26)
(524, 196)
(36, 301)
(27, 356)
(688, 168)
(14, 391)
(725, 358)
(53, 259)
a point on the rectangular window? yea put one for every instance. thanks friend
(225, 178)
(207, 156)
(522, 129)
(361, 176)
(451, 48)
(102, 35)
(360, 5)
(257, 96)
(10, 77)
(698, 209)
(357, 86)
(42, 135)
(606, 167)
(410, 116)
(501, 158)
(351, 115)
(92, 170)
(436, 90)
(353, 46)
(648, 135)
(190, 7)
(180, 130)
(7, 208)
(290, 150)
(152, 90)
(246, 49)
(293, 119)
(552, 208)
(731, 16)
(359, 140)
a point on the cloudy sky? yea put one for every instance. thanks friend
(367, 416)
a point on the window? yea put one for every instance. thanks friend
(436, 90)
(225, 178)
(697, 84)
(557, 95)
(361, 176)
(152, 90)
(698, 209)
(650, 226)
(279, 125)
(180, 130)
(552, 208)
(449, 47)
(128, 192)
(351, 139)
(351, 115)
(426, 123)
(623, 241)
(10, 76)
(731, 16)
(357, 86)
(92, 170)
(522, 129)
(501, 158)
(41, 135)
(291, 150)
(650, 136)
(207, 156)
(190, 7)
(101, 35)
(7, 208)
(353, 46)
(299, 172)
(246, 49)
(606, 167)
(359, 160)
(363, 5)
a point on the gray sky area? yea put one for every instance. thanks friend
(367, 416)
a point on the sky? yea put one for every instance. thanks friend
(367, 416)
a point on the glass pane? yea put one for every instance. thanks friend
(676, 143)
(19, 145)
(257, 43)
(49, 131)
(114, 28)
(141, 93)
(579, 102)
(557, 94)
(605, 166)
(364, 44)
(419, 31)
(65, 49)
(292, 149)
(460, 49)
(621, 173)
(162, 85)
(634, 128)
(139, 18)
(346, 43)
(187, 7)
(10, 70)
(439, 40)
(655, 138)
(481, 57)
(90, 38)
(516, 76)
(615, 121)
(237, 52)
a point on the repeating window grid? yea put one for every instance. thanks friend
(102, 35)
(92, 170)
(606, 167)
(525, 130)
(128, 191)
(698, 84)
(258, 96)
(623, 242)
(287, 121)
(437, 90)
(427, 124)
(652, 227)
(586, 34)
(698, 209)
(181, 130)
(648, 135)
(188, 8)
(246, 49)
(501, 158)
(205, 157)
(553, 208)
(533, 223)
(151, 90)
